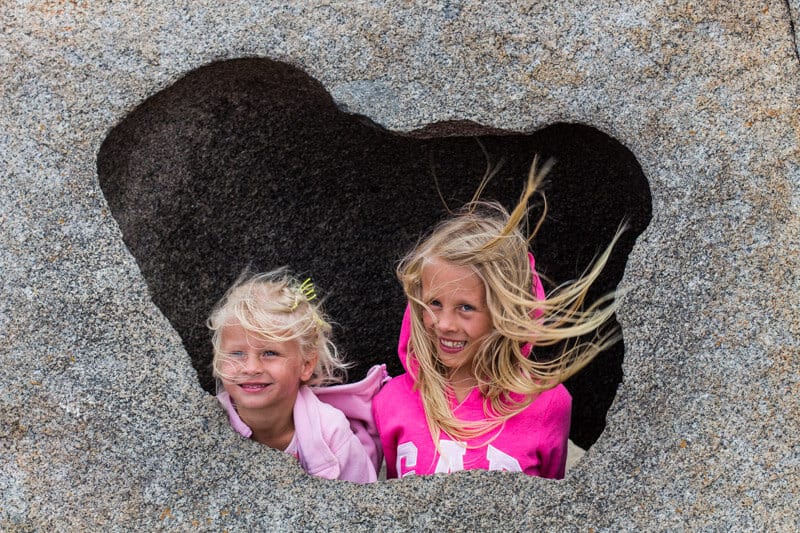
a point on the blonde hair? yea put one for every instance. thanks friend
(276, 307)
(486, 238)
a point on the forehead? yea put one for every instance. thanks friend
(441, 278)
(234, 333)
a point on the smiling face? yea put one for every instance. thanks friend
(259, 373)
(458, 319)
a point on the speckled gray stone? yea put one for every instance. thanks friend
(104, 425)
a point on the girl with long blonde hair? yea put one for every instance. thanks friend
(475, 395)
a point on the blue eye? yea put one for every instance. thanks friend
(235, 354)
(466, 307)
(435, 303)
(269, 353)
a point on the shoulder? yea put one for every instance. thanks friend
(396, 402)
(399, 386)
(321, 421)
(558, 398)
(329, 415)
(554, 410)
(551, 407)
(328, 444)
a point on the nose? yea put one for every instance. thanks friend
(252, 365)
(445, 321)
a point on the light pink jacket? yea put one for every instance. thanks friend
(335, 431)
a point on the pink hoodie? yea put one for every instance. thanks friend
(534, 441)
(335, 434)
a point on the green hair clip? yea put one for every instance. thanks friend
(306, 289)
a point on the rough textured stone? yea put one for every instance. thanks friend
(104, 422)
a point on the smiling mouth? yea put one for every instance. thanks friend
(450, 346)
(253, 387)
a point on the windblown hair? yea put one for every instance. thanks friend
(275, 307)
(486, 238)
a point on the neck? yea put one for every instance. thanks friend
(273, 428)
(462, 382)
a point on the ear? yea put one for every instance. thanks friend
(309, 364)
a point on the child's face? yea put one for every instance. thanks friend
(458, 319)
(262, 374)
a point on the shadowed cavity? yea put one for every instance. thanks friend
(250, 162)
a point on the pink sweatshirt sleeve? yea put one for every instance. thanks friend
(553, 452)
(383, 403)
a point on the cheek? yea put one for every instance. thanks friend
(291, 365)
(229, 366)
(230, 387)
(427, 320)
(285, 367)
(481, 329)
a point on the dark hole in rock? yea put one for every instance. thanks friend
(249, 161)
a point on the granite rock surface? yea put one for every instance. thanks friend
(105, 425)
